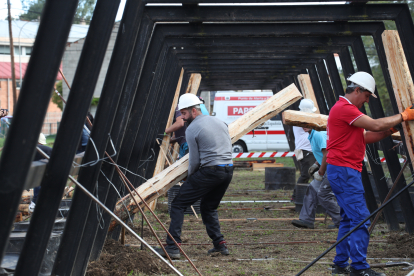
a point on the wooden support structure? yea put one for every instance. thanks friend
(304, 119)
(307, 90)
(159, 184)
(193, 85)
(402, 81)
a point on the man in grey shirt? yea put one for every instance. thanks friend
(210, 171)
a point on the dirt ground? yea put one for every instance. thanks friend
(257, 247)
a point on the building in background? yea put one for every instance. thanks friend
(70, 62)
(24, 34)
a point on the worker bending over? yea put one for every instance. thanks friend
(346, 149)
(303, 149)
(210, 171)
(319, 190)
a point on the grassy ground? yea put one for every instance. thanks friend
(256, 245)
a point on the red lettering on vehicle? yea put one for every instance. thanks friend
(238, 110)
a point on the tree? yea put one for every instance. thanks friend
(55, 97)
(33, 10)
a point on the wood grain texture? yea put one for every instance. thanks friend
(402, 82)
(164, 180)
(304, 119)
(307, 90)
(193, 83)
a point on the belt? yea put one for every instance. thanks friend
(219, 168)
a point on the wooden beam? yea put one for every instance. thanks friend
(193, 83)
(307, 90)
(305, 119)
(160, 183)
(314, 121)
(402, 82)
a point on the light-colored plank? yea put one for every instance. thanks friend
(402, 82)
(193, 83)
(160, 183)
(307, 89)
(304, 119)
(263, 166)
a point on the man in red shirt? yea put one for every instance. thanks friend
(348, 131)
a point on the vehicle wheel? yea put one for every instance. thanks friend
(239, 147)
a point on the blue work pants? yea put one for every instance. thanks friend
(347, 186)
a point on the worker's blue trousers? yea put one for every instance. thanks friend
(347, 186)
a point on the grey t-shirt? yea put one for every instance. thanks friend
(209, 143)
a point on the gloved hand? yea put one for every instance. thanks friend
(408, 114)
(312, 169)
(317, 176)
(396, 128)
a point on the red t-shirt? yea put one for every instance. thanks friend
(346, 143)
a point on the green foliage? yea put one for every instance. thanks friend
(55, 98)
(95, 101)
(33, 10)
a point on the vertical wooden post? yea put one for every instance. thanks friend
(307, 89)
(193, 84)
(159, 167)
(402, 82)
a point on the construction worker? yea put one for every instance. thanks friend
(179, 127)
(348, 131)
(210, 171)
(319, 190)
(303, 149)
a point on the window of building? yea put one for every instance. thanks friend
(28, 50)
(4, 50)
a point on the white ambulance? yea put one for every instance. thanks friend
(230, 105)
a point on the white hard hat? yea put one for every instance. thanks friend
(188, 100)
(42, 139)
(364, 80)
(307, 105)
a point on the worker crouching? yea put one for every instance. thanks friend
(210, 171)
(348, 131)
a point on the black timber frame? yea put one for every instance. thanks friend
(119, 92)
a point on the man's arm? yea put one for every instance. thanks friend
(322, 168)
(194, 155)
(378, 125)
(179, 123)
(373, 137)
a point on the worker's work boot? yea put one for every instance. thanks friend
(222, 248)
(172, 251)
(333, 226)
(365, 272)
(340, 271)
(302, 224)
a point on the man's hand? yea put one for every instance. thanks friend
(408, 114)
(396, 128)
(317, 176)
(312, 169)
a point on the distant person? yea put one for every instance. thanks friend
(85, 135)
(319, 190)
(41, 145)
(303, 149)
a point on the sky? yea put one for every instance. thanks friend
(16, 9)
